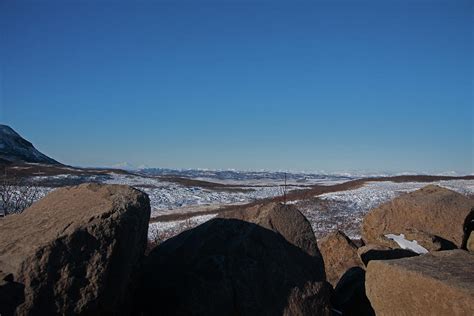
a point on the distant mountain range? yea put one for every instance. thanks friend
(127, 166)
(16, 149)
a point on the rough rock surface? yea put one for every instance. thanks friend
(429, 241)
(383, 242)
(283, 219)
(438, 283)
(432, 209)
(339, 255)
(11, 294)
(232, 267)
(349, 296)
(376, 252)
(76, 250)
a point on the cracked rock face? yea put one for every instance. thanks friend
(77, 249)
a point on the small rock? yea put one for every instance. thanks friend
(470, 242)
(349, 296)
(358, 242)
(339, 254)
(432, 209)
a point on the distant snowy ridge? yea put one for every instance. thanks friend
(373, 194)
(127, 166)
(297, 173)
(248, 177)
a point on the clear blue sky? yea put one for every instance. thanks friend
(301, 85)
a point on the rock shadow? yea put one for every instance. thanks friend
(231, 267)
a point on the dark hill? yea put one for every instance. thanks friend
(14, 149)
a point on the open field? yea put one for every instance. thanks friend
(179, 202)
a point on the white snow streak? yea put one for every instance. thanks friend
(406, 244)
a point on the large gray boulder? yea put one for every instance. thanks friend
(339, 254)
(232, 267)
(286, 220)
(77, 250)
(433, 210)
(11, 294)
(438, 283)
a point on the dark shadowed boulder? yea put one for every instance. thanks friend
(349, 296)
(468, 242)
(339, 254)
(11, 294)
(438, 283)
(232, 267)
(286, 220)
(76, 250)
(375, 252)
(433, 210)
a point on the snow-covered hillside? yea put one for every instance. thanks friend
(345, 210)
(234, 177)
(14, 148)
(166, 196)
(195, 204)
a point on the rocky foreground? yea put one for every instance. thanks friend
(81, 250)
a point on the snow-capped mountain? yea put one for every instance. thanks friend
(128, 166)
(123, 165)
(14, 148)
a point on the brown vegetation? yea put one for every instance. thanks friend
(310, 193)
(31, 170)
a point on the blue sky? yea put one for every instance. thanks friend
(295, 85)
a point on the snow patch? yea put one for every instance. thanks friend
(407, 244)
(373, 194)
(164, 230)
(166, 196)
(345, 210)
